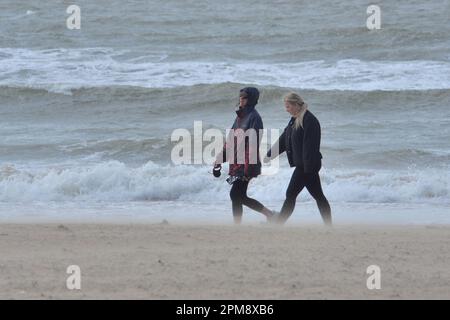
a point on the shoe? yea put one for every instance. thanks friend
(273, 218)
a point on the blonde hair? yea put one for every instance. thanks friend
(295, 100)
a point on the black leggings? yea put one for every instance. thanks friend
(311, 181)
(238, 195)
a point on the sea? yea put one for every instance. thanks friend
(87, 114)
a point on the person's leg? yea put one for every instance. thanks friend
(254, 204)
(236, 195)
(315, 189)
(296, 185)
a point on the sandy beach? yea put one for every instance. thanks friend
(165, 261)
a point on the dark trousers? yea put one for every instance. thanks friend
(238, 195)
(311, 181)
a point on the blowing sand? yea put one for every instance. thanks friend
(153, 261)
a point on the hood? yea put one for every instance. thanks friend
(252, 100)
(253, 96)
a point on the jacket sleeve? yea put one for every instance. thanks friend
(279, 146)
(222, 155)
(252, 145)
(311, 145)
(256, 124)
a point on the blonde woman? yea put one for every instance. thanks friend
(301, 141)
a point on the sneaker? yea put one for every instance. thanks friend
(273, 218)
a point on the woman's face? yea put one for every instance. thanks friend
(292, 109)
(243, 99)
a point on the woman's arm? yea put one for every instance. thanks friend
(278, 148)
(222, 155)
(311, 145)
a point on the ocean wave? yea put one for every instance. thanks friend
(126, 149)
(151, 144)
(219, 94)
(61, 70)
(115, 181)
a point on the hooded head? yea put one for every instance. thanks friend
(252, 96)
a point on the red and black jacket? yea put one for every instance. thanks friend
(244, 159)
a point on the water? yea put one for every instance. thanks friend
(86, 115)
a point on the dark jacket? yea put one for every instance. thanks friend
(302, 145)
(247, 118)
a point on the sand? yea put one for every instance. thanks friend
(158, 261)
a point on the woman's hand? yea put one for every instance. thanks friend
(216, 169)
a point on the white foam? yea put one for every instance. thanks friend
(114, 181)
(61, 70)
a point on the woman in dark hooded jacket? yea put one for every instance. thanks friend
(301, 141)
(242, 152)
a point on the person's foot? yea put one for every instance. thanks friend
(273, 217)
(267, 212)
